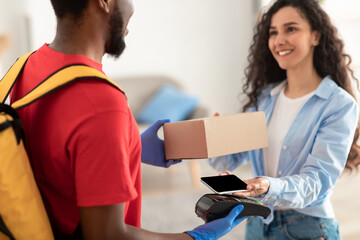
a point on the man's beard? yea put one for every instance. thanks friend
(116, 44)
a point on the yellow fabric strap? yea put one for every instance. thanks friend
(9, 79)
(59, 79)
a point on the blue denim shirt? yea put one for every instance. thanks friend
(314, 151)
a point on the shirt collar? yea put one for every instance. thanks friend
(325, 89)
(278, 88)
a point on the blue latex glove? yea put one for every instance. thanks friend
(219, 227)
(153, 151)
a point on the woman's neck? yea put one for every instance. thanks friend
(300, 82)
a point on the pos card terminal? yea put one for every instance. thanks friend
(213, 206)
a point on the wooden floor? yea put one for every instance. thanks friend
(170, 195)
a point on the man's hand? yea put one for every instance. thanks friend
(219, 227)
(153, 151)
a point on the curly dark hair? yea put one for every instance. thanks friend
(329, 59)
(73, 8)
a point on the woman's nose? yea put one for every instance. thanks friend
(280, 39)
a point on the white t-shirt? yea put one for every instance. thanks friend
(282, 117)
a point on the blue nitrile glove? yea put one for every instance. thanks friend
(219, 227)
(153, 151)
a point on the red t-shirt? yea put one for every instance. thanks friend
(82, 140)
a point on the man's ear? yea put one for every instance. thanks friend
(104, 5)
(317, 37)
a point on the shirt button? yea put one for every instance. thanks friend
(279, 172)
(284, 147)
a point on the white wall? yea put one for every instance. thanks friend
(14, 22)
(201, 43)
(43, 22)
(345, 16)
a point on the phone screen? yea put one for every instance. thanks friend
(224, 183)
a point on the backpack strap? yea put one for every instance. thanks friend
(8, 81)
(60, 78)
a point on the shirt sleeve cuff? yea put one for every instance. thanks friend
(276, 185)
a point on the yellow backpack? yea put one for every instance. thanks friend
(22, 213)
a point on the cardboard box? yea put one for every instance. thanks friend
(215, 136)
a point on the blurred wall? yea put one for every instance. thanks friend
(345, 16)
(14, 21)
(201, 43)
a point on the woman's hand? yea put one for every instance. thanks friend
(255, 187)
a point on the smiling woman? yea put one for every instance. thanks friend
(292, 43)
(292, 40)
(299, 76)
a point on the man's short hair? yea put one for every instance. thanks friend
(73, 8)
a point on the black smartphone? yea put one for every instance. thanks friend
(224, 184)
